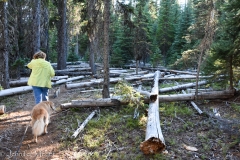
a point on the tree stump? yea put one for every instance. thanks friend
(2, 109)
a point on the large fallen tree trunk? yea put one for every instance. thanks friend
(162, 98)
(92, 103)
(201, 96)
(17, 90)
(91, 83)
(23, 81)
(72, 73)
(180, 87)
(154, 141)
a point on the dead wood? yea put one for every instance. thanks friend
(2, 109)
(84, 124)
(105, 102)
(194, 104)
(91, 83)
(23, 89)
(72, 73)
(154, 141)
(180, 87)
(201, 96)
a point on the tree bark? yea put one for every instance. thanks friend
(106, 14)
(36, 25)
(154, 141)
(62, 35)
(17, 90)
(180, 87)
(105, 102)
(201, 96)
(2, 107)
(4, 46)
(89, 84)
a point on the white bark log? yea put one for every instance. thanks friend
(201, 96)
(180, 87)
(193, 104)
(17, 90)
(2, 109)
(103, 102)
(84, 124)
(91, 83)
(154, 141)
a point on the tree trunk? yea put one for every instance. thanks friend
(17, 90)
(180, 87)
(62, 35)
(2, 107)
(4, 50)
(201, 96)
(36, 25)
(106, 102)
(105, 92)
(89, 84)
(154, 141)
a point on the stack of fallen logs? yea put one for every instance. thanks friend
(154, 141)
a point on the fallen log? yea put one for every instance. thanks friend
(20, 82)
(102, 102)
(116, 101)
(84, 124)
(91, 83)
(180, 87)
(72, 73)
(23, 89)
(193, 104)
(23, 81)
(73, 70)
(201, 96)
(154, 141)
(183, 72)
(2, 109)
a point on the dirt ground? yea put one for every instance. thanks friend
(214, 137)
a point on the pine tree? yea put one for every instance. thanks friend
(165, 29)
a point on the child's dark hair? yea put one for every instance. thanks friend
(39, 54)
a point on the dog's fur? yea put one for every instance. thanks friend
(41, 117)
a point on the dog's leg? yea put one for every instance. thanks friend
(46, 123)
(35, 137)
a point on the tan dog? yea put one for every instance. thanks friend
(41, 117)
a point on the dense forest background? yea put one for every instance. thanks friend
(203, 35)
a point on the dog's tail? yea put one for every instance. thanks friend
(38, 127)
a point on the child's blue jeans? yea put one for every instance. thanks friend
(40, 94)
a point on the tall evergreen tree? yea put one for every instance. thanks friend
(141, 40)
(225, 54)
(180, 43)
(165, 29)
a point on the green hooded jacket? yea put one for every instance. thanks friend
(42, 72)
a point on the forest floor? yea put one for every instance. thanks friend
(114, 134)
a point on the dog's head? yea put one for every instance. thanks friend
(51, 105)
